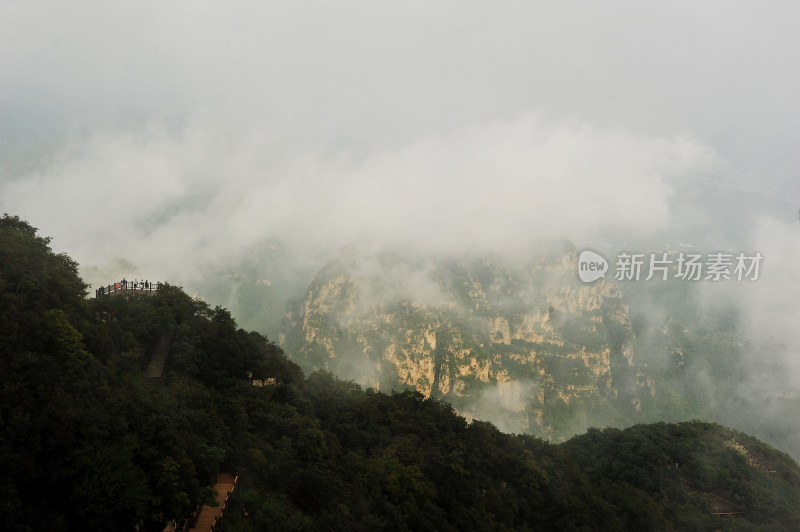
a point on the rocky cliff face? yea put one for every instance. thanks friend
(524, 344)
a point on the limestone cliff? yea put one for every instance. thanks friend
(523, 343)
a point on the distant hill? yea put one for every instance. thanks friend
(523, 343)
(88, 442)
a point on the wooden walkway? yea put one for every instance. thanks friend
(160, 352)
(210, 517)
(717, 504)
(154, 374)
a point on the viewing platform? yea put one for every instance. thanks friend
(125, 287)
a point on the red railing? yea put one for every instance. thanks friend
(127, 287)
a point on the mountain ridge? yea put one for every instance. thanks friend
(86, 444)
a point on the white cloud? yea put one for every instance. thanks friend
(198, 194)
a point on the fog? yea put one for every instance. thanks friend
(208, 128)
(179, 141)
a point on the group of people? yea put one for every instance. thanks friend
(135, 284)
(124, 284)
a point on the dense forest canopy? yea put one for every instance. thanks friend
(87, 442)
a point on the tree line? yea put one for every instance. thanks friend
(86, 444)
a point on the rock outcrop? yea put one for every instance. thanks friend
(524, 343)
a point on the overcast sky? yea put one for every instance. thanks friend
(199, 128)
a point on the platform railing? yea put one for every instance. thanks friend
(125, 286)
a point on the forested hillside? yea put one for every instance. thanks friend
(89, 442)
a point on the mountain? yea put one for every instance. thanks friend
(92, 438)
(523, 343)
